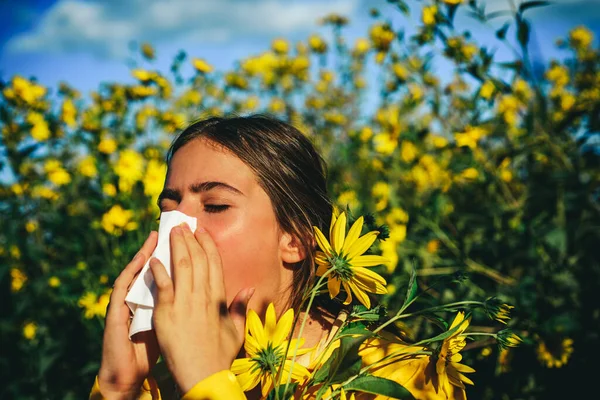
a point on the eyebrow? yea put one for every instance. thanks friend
(199, 187)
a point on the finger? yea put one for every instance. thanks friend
(125, 278)
(215, 268)
(181, 263)
(199, 263)
(164, 284)
(238, 309)
(136, 264)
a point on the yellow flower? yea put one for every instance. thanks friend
(148, 51)
(469, 174)
(94, 305)
(448, 367)
(470, 137)
(555, 353)
(154, 178)
(361, 46)
(397, 216)
(429, 14)
(344, 254)
(25, 90)
(18, 279)
(31, 226)
(116, 220)
(559, 75)
(280, 46)
(453, 1)
(59, 177)
(107, 145)
(69, 113)
(129, 168)
(381, 193)
(30, 330)
(384, 143)
(142, 75)
(202, 66)
(389, 251)
(408, 151)
(54, 282)
(348, 198)
(109, 189)
(87, 167)
(433, 245)
(266, 349)
(487, 89)
(317, 44)
(581, 38)
(40, 130)
(381, 36)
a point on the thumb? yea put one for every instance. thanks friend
(238, 308)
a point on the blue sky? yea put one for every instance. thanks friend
(85, 42)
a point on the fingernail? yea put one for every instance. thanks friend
(177, 230)
(250, 294)
(184, 226)
(200, 229)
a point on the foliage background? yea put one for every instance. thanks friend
(491, 177)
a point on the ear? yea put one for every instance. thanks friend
(291, 249)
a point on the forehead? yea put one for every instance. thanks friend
(202, 160)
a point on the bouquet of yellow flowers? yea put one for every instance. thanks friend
(366, 354)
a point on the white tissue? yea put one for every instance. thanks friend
(142, 294)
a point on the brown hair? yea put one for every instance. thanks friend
(288, 168)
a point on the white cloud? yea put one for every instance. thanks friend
(104, 28)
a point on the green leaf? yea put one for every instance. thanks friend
(501, 33)
(530, 4)
(523, 30)
(380, 386)
(343, 358)
(411, 291)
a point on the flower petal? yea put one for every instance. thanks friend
(339, 233)
(333, 285)
(270, 321)
(322, 241)
(284, 326)
(249, 380)
(360, 294)
(366, 275)
(322, 269)
(241, 365)
(256, 328)
(348, 293)
(353, 234)
(332, 223)
(369, 261)
(362, 244)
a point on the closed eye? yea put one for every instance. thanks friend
(215, 208)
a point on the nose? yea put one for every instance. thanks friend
(189, 208)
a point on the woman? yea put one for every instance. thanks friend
(257, 187)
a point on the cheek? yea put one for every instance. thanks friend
(249, 255)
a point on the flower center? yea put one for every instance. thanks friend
(269, 358)
(342, 269)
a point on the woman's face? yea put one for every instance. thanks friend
(215, 186)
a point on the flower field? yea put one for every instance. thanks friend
(487, 185)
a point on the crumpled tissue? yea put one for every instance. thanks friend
(142, 295)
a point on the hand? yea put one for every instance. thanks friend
(126, 363)
(197, 334)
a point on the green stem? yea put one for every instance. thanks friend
(310, 301)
